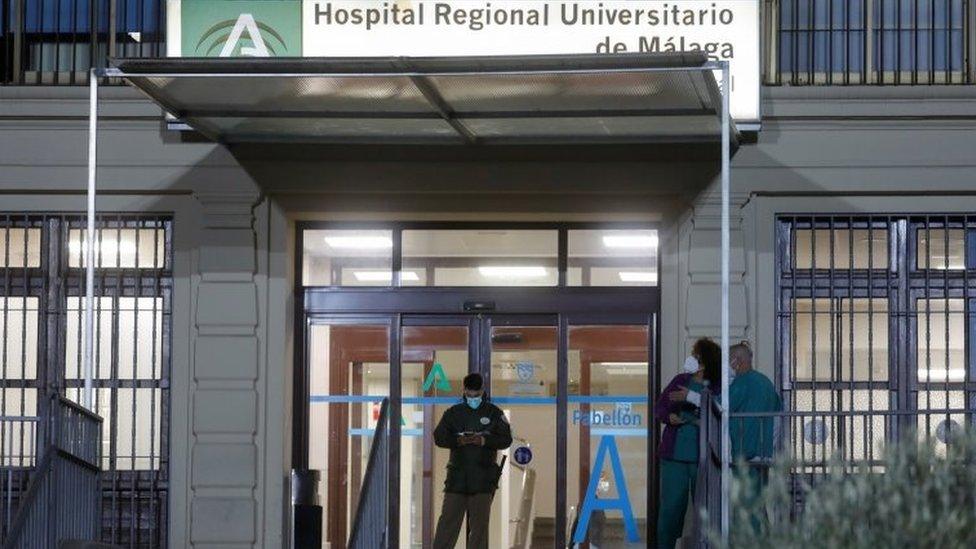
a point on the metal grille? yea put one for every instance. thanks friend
(842, 42)
(42, 281)
(56, 42)
(874, 330)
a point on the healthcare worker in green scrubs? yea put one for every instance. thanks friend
(679, 443)
(750, 392)
(752, 437)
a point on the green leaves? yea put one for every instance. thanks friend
(916, 495)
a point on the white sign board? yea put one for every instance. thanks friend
(724, 29)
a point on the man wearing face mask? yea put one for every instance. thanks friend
(473, 430)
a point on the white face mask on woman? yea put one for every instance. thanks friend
(691, 365)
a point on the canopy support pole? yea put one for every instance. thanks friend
(726, 442)
(89, 249)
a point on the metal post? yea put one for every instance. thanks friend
(869, 44)
(726, 449)
(90, 240)
(18, 29)
(112, 29)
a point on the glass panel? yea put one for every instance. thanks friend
(481, 257)
(864, 434)
(119, 248)
(855, 437)
(863, 335)
(940, 428)
(19, 429)
(935, 257)
(14, 252)
(608, 415)
(435, 361)
(347, 258)
(814, 334)
(613, 258)
(134, 425)
(814, 437)
(941, 340)
(75, 338)
(349, 373)
(18, 333)
(140, 337)
(523, 383)
(870, 248)
(139, 341)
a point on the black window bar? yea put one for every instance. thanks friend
(42, 286)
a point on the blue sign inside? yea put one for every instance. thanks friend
(522, 455)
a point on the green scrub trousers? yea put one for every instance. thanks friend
(677, 483)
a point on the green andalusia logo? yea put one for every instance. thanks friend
(245, 29)
(241, 28)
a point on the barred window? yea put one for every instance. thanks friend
(42, 334)
(875, 315)
(871, 41)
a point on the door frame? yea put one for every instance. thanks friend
(566, 305)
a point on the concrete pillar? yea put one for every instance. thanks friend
(699, 274)
(226, 492)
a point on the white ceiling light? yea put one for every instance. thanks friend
(371, 242)
(107, 247)
(632, 240)
(384, 276)
(638, 276)
(512, 271)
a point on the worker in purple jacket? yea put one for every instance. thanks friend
(679, 444)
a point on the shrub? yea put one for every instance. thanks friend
(917, 498)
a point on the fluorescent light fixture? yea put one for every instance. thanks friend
(107, 247)
(369, 242)
(632, 240)
(512, 271)
(384, 276)
(638, 276)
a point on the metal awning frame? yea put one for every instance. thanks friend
(726, 151)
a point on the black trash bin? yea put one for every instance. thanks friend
(307, 525)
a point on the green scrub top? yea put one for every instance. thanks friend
(752, 437)
(686, 440)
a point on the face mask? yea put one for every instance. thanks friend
(691, 365)
(473, 402)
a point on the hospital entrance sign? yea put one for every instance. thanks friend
(723, 29)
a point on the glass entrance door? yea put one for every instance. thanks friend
(437, 352)
(575, 393)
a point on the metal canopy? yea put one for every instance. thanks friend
(622, 98)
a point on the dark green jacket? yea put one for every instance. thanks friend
(472, 469)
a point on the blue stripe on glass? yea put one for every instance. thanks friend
(620, 432)
(345, 399)
(606, 399)
(612, 399)
(369, 432)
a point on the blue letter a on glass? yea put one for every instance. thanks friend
(608, 445)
